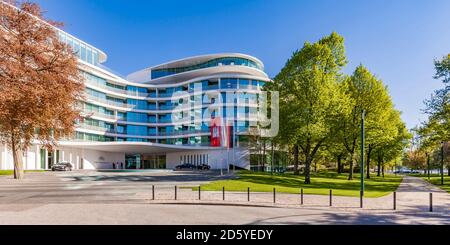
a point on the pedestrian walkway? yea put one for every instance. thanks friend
(124, 198)
(413, 195)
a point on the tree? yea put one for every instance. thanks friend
(438, 106)
(436, 130)
(309, 98)
(364, 92)
(39, 81)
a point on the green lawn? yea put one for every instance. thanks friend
(321, 184)
(11, 172)
(435, 179)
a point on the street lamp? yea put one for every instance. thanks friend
(362, 151)
(442, 163)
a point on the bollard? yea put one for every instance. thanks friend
(248, 194)
(274, 195)
(395, 200)
(331, 198)
(301, 196)
(431, 202)
(199, 193)
(153, 192)
(223, 193)
(175, 193)
(361, 199)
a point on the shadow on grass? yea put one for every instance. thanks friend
(320, 183)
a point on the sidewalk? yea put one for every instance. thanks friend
(412, 197)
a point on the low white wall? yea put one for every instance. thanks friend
(92, 159)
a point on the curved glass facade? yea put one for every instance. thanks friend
(179, 113)
(227, 61)
(155, 119)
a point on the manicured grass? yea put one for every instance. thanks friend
(321, 184)
(435, 179)
(11, 172)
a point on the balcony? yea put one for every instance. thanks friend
(167, 107)
(98, 114)
(165, 120)
(95, 128)
(211, 87)
(109, 102)
(121, 91)
(165, 95)
(183, 132)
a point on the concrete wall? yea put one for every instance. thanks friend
(80, 158)
(217, 159)
(91, 159)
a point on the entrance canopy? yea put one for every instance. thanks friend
(133, 147)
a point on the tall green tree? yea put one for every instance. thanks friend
(309, 96)
(365, 93)
(438, 106)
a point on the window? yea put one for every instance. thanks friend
(152, 119)
(151, 131)
(76, 48)
(89, 56)
(228, 83)
(96, 59)
(83, 52)
(137, 130)
(244, 83)
(137, 117)
(138, 104)
(121, 129)
(137, 90)
(95, 93)
(211, 63)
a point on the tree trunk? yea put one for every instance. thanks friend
(264, 160)
(383, 170)
(17, 159)
(379, 168)
(339, 164)
(350, 175)
(369, 151)
(308, 168)
(272, 158)
(258, 148)
(296, 170)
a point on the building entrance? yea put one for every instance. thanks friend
(140, 161)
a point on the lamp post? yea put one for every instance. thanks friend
(442, 163)
(362, 151)
(428, 164)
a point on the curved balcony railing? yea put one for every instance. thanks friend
(183, 132)
(109, 102)
(87, 113)
(95, 128)
(121, 91)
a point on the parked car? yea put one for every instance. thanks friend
(62, 166)
(185, 166)
(203, 167)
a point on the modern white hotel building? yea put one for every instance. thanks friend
(140, 121)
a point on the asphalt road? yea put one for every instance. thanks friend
(90, 197)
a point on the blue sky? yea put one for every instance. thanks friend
(396, 39)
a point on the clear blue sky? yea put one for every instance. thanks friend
(396, 39)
